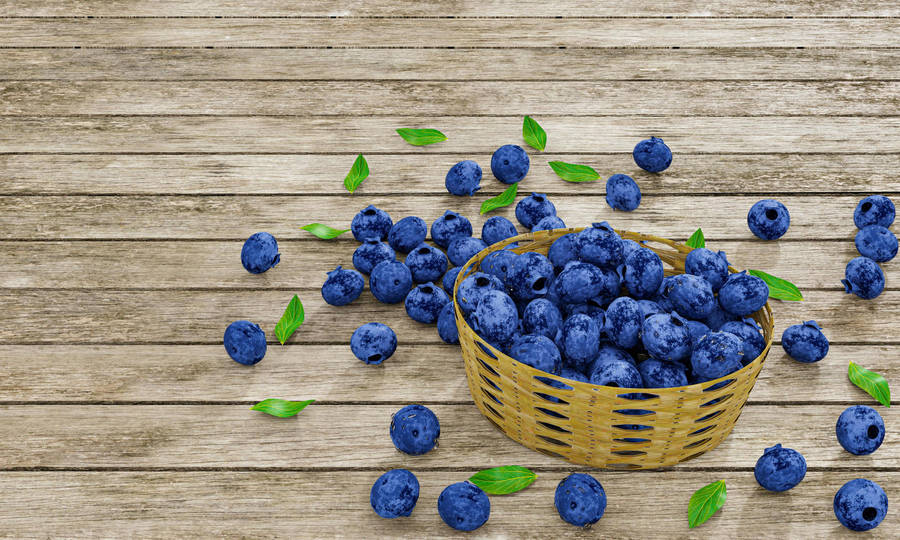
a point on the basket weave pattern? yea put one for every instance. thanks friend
(585, 424)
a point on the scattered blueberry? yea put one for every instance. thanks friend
(860, 430)
(660, 374)
(342, 286)
(390, 281)
(427, 263)
(622, 193)
(424, 303)
(768, 219)
(260, 252)
(371, 222)
(600, 245)
(666, 337)
(533, 208)
(449, 280)
(717, 354)
(860, 504)
(580, 500)
(370, 253)
(805, 342)
(474, 287)
(864, 278)
(743, 294)
(874, 210)
(464, 178)
(510, 163)
(779, 468)
(464, 248)
(496, 229)
(548, 224)
(415, 429)
(537, 351)
(394, 494)
(652, 155)
(449, 226)
(464, 506)
(373, 343)
(407, 233)
(711, 266)
(446, 324)
(876, 243)
(245, 342)
(530, 276)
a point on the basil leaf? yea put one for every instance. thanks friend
(696, 240)
(779, 289)
(705, 502)
(358, 172)
(503, 480)
(873, 383)
(323, 231)
(421, 137)
(290, 321)
(572, 172)
(534, 134)
(281, 407)
(504, 199)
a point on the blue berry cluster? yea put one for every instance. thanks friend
(875, 243)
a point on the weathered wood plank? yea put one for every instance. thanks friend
(416, 373)
(210, 134)
(374, 98)
(356, 436)
(431, 64)
(210, 217)
(455, 32)
(320, 504)
(109, 316)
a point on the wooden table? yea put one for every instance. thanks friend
(142, 141)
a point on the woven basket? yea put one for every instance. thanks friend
(586, 425)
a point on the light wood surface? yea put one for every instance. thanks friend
(142, 141)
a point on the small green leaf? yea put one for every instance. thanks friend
(534, 134)
(696, 240)
(503, 480)
(358, 172)
(281, 407)
(421, 137)
(572, 172)
(779, 289)
(504, 199)
(290, 321)
(323, 231)
(873, 383)
(705, 502)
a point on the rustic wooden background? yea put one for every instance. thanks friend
(142, 141)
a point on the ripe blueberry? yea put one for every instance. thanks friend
(464, 178)
(371, 222)
(622, 193)
(245, 342)
(342, 286)
(768, 219)
(373, 342)
(415, 429)
(652, 155)
(510, 163)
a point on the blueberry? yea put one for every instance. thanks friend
(580, 340)
(643, 273)
(446, 324)
(498, 263)
(874, 210)
(424, 302)
(578, 282)
(623, 322)
(662, 295)
(427, 263)
(510, 163)
(390, 281)
(464, 178)
(629, 246)
(876, 243)
(538, 352)
(496, 229)
(373, 343)
(370, 253)
(260, 252)
(652, 155)
(622, 193)
(464, 248)
(415, 429)
(371, 222)
(542, 317)
(864, 278)
(697, 330)
(530, 276)
(496, 317)
(860, 504)
(768, 219)
(407, 233)
(779, 469)
(666, 337)
(394, 494)
(548, 224)
(750, 334)
(449, 226)
(743, 294)
(474, 287)
(717, 354)
(563, 250)
(611, 353)
(659, 374)
(533, 209)
(580, 500)
(711, 266)
(615, 373)
(718, 317)
(342, 286)
(860, 430)
(464, 506)
(649, 307)
(600, 245)
(245, 342)
(449, 280)
(804, 342)
(691, 296)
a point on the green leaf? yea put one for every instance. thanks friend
(572, 172)
(705, 502)
(290, 321)
(421, 137)
(873, 383)
(779, 289)
(503, 480)
(323, 231)
(534, 134)
(358, 172)
(696, 240)
(504, 199)
(281, 408)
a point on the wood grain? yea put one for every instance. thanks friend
(330, 373)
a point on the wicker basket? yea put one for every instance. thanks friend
(585, 423)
